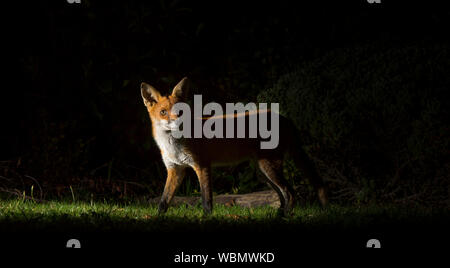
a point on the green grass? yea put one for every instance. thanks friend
(54, 216)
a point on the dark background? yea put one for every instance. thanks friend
(365, 83)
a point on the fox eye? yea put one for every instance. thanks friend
(163, 112)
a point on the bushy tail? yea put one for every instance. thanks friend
(308, 168)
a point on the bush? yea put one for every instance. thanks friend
(377, 119)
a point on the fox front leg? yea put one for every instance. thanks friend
(204, 178)
(175, 176)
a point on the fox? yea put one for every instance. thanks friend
(201, 154)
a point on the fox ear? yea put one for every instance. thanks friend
(149, 94)
(182, 88)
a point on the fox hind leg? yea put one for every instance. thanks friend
(273, 170)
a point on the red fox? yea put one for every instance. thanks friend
(202, 153)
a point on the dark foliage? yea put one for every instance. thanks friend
(377, 119)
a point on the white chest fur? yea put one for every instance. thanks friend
(173, 150)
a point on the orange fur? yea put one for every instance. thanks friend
(201, 153)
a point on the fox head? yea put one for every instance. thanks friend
(160, 107)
